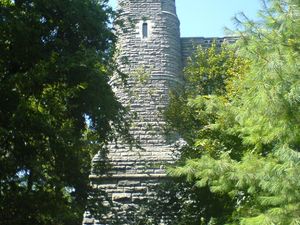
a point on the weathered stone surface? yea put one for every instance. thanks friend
(121, 197)
(129, 183)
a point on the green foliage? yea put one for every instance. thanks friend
(255, 156)
(209, 75)
(209, 70)
(193, 113)
(55, 65)
(273, 80)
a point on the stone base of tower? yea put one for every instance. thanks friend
(121, 193)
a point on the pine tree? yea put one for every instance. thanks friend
(262, 110)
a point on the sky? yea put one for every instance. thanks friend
(208, 18)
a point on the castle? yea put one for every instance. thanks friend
(153, 54)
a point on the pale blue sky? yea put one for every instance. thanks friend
(207, 18)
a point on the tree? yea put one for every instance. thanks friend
(191, 113)
(55, 65)
(262, 110)
(208, 77)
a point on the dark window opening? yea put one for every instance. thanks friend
(145, 30)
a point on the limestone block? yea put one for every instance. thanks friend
(121, 196)
(129, 183)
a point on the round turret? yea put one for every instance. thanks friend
(151, 37)
(150, 54)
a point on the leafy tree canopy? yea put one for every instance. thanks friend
(55, 65)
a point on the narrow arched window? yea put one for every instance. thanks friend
(145, 30)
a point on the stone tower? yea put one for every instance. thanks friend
(150, 54)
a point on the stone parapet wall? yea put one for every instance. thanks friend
(189, 44)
